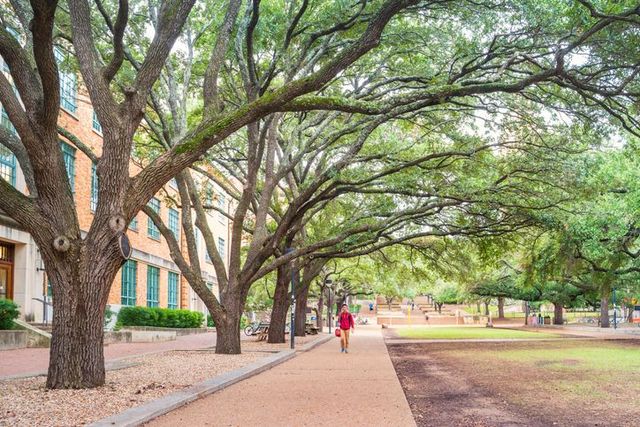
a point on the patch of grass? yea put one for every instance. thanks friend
(456, 333)
(602, 357)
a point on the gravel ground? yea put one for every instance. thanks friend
(26, 402)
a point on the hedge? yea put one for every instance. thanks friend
(8, 312)
(159, 317)
(244, 321)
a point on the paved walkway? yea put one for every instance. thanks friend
(36, 360)
(321, 387)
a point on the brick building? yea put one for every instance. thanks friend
(150, 277)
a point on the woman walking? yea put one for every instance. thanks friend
(346, 323)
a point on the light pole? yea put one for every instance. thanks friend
(292, 327)
(328, 283)
(615, 317)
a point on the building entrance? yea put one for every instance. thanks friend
(6, 270)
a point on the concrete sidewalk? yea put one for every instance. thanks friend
(317, 388)
(36, 360)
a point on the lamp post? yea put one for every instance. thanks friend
(292, 327)
(615, 317)
(328, 283)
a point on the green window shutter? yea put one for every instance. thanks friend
(7, 165)
(153, 282)
(152, 230)
(95, 124)
(68, 83)
(129, 280)
(69, 157)
(174, 222)
(94, 187)
(173, 290)
(221, 247)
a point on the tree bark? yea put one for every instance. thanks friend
(486, 308)
(301, 312)
(604, 307)
(80, 292)
(280, 307)
(228, 334)
(228, 326)
(500, 307)
(558, 318)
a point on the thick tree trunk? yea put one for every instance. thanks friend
(604, 308)
(301, 312)
(80, 291)
(228, 326)
(558, 318)
(228, 334)
(486, 308)
(500, 307)
(280, 307)
(76, 355)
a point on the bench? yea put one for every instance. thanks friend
(311, 329)
(262, 331)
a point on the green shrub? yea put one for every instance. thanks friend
(159, 317)
(244, 321)
(8, 312)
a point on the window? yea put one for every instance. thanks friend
(221, 248)
(173, 290)
(69, 157)
(174, 222)
(3, 65)
(153, 279)
(221, 205)
(152, 229)
(68, 84)
(94, 187)
(196, 236)
(133, 225)
(173, 183)
(96, 124)
(129, 280)
(7, 165)
(6, 123)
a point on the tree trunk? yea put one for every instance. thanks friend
(228, 334)
(228, 326)
(557, 314)
(604, 307)
(301, 312)
(486, 308)
(280, 307)
(76, 355)
(478, 310)
(80, 292)
(500, 307)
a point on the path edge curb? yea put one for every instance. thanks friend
(140, 414)
(313, 344)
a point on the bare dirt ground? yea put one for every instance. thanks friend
(482, 384)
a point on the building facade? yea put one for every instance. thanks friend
(150, 278)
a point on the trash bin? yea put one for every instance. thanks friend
(547, 320)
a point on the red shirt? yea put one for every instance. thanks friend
(346, 321)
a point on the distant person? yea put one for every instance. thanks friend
(370, 306)
(346, 323)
